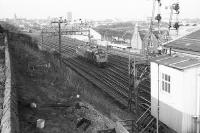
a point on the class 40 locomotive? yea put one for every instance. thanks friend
(93, 54)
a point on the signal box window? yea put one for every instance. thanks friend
(166, 79)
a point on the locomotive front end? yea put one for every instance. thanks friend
(101, 57)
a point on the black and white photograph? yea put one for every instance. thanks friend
(99, 66)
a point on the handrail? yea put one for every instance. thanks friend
(143, 115)
(147, 125)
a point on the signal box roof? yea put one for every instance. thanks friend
(190, 42)
(177, 61)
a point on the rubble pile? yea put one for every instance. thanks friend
(97, 120)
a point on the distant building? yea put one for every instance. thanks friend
(15, 16)
(140, 41)
(69, 16)
(188, 44)
(136, 41)
(94, 36)
(162, 35)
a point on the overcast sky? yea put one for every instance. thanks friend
(93, 9)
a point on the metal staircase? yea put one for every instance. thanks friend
(146, 123)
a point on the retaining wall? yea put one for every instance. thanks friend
(9, 121)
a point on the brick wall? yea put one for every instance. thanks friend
(9, 121)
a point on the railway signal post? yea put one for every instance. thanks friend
(132, 72)
(174, 10)
(130, 87)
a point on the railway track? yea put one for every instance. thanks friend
(113, 79)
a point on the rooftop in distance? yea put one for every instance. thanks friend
(190, 42)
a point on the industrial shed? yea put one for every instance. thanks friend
(94, 36)
(175, 91)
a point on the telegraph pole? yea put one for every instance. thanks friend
(65, 32)
(59, 35)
